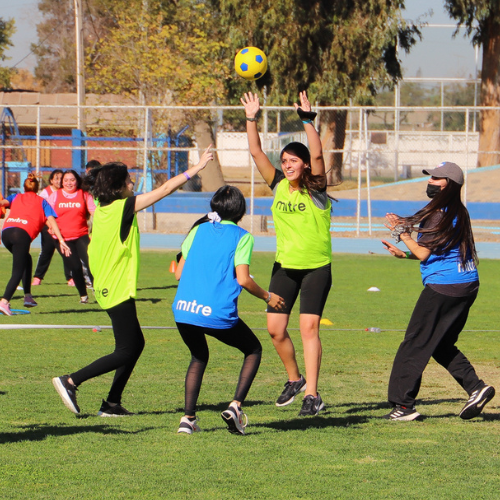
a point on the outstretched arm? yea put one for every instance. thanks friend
(313, 139)
(252, 107)
(147, 199)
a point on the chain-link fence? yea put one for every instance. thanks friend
(391, 143)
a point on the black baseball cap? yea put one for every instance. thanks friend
(447, 170)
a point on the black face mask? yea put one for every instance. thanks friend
(432, 190)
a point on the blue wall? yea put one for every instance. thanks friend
(199, 203)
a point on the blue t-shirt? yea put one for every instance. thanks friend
(447, 268)
(47, 209)
(208, 290)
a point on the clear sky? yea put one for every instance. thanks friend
(438, 55)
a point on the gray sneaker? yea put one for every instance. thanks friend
(290, 391)
(311, 405)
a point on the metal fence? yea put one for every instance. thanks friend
(389, 143)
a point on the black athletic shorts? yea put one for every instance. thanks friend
(314, 286)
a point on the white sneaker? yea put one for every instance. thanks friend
(187, 426)
(233, 417)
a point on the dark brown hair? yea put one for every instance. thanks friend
(448, 232)
(75, 174)
(308, 180)
(106, 183)
(31, 184)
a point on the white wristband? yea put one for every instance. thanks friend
(268, 298)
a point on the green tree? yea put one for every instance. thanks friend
(160, 57)
(56, 55)
(156, 51)
(338, 51)
(482, 21)
(7, 29)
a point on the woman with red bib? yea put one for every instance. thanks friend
(28, 215)
(49, 244)
(74, 207)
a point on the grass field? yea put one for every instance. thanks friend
(348, 452)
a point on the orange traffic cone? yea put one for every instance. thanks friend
(173, 266)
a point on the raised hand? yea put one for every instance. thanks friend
(392, 221)
(206, 157)
(251, 103)
(304, 102)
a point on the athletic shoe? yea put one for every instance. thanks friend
(108, 410)
(233, 417)
(84, 299)
(477, 402)
(71, 282)
(5, 308)
(67, 392)
(400, 412)
(311, 405)
(29, 301)
(290, 391)
(188, 426)
(36, 281)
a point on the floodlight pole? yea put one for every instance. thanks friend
(80, 80)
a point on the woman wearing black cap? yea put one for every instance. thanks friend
(447, 254)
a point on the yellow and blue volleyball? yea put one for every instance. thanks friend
(250, 63)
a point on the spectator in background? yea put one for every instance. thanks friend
(74, 207)
(49, 244)
(28, 214)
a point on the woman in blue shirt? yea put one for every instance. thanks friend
(447, 254)
(213, 269)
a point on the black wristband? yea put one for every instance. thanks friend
(306, 115)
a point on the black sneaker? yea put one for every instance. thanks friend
(400, 412)
(311, 405)
(108, 410)
(67, 392)
(233, 417)
(290, 391)
(477, 402)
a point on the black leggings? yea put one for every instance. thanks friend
(17, 241)
(48, 247)
(239, 336)
(79, 255)
(129, 343)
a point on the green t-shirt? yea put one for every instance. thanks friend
(303, 238)
(243, 252)
(114, 263)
